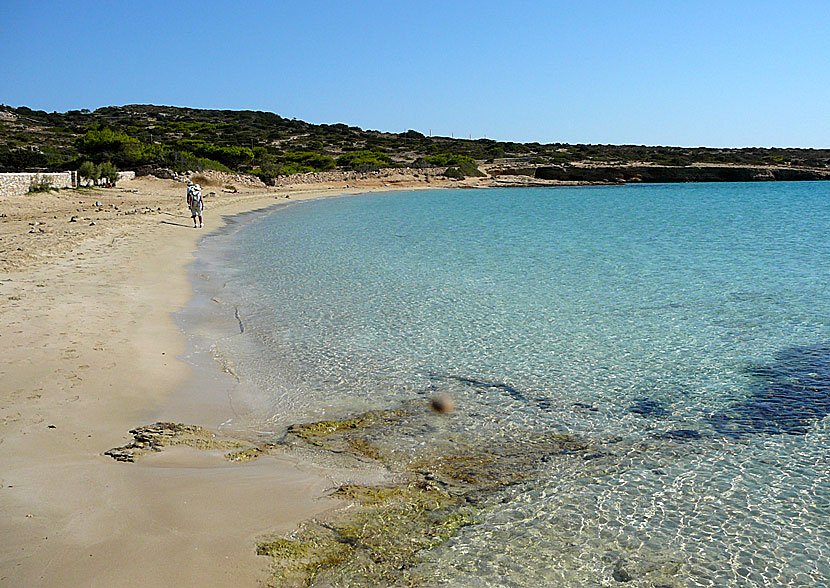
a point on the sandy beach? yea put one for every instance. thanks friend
(89, 280)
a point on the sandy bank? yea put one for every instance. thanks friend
(88, 351)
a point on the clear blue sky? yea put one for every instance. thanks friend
(720, 73)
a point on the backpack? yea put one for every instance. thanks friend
(194, 194)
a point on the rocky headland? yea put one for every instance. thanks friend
(646, 173)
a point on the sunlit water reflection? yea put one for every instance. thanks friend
(684, 329)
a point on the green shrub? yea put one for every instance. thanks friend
(203, 163)
(106, 144)
(440, 159)
(463, 163)
(14, 160)
(89, 171)
(315, 161)
(106, 140)
(287, 169)
(231, 156)
(454, 173)
(183, 161)
(292, 162)
(448, 159)
(469, 168)
(40, 184)
(364, 160)
(109, 172)
(495, 152)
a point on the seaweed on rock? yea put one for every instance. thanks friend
(155, 437)
(440, 486)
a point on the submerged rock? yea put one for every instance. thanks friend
(620, 574)
(680, 435)
(787, 396)
(438, 487)
(648, 407)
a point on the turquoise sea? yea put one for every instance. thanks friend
(684, 329)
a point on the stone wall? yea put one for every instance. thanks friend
(15, 184)
(219, 177)
(212, 177)
(391, 173)
(207, 177)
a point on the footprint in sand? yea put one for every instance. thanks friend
(11, 418)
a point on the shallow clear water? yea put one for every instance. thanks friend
(685, 329)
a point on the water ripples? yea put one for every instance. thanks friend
(683, 330)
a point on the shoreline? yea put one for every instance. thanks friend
(91, 350)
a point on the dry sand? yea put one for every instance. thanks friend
(88, 350)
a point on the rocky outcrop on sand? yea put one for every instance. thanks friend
(157, 436)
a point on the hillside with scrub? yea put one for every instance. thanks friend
(147, 138)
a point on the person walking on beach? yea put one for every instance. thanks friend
(195, 202)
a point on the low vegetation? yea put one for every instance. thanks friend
(40, 184)
(146, 137)
(105, 173)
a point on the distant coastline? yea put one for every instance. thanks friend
(273, 150)
(664, 174)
